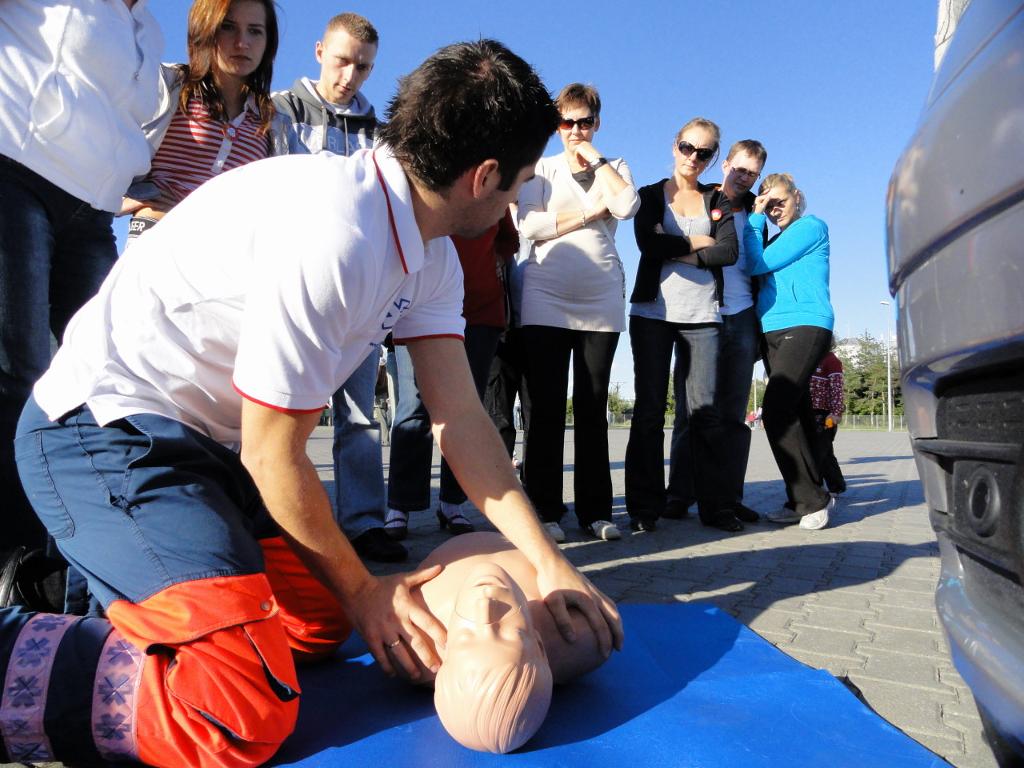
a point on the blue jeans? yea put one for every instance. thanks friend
(358, 467)
(737, 352)
(412, 445)
(55, 251)
(696, 361)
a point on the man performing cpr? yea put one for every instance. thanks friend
(164, 450)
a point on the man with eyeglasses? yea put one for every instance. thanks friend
(737, 353)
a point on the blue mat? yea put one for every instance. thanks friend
(693, 687)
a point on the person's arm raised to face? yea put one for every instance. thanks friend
(476, 455)
(382, 610)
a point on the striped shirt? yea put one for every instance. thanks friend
(197, 147)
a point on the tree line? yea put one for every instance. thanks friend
(864, 382)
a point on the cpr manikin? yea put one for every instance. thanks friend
(504, 651)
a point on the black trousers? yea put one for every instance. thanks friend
(791, 355)
(507, 379)
(824, 438)
(548, 351)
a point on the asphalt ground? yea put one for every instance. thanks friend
(856, 599)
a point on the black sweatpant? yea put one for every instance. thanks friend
(791, 355)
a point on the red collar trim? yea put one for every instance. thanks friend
(391, 213)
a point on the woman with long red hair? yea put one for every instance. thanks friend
(219, 114)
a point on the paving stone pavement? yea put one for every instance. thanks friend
(855, 598)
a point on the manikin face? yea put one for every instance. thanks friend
(345, 63)
(783, 206)
(573, 136)
(490, 622)
(740, 173)
(242, 39)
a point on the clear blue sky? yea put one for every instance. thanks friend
(832, 89)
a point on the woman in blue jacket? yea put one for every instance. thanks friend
(796, 318)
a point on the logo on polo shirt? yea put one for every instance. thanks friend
(394, 314)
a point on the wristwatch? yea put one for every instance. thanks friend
(598, 163)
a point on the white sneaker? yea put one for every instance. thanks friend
(555, 532)
(605, 530)
(783, 515)
(818, 520)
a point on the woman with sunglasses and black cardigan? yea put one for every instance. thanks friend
(573, 303)
(796, 317)
(685, 233)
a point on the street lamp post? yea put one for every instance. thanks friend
(888, 362)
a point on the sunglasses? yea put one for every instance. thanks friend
(584, 122)
(703, 153)
(745, 172)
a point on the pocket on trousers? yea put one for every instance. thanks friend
(241, 679)
(39, 486)
(134, 424)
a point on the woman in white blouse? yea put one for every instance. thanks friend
(573, 304)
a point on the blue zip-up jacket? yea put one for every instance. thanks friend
(795, 268)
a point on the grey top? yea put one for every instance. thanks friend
(686, 293)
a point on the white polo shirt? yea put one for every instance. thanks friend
(268, 282)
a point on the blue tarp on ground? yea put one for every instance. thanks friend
(693, 687)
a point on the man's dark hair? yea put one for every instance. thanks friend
(752, 147)
(467, 103)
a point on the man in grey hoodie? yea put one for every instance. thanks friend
(332, 115)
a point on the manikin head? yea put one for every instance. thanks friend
(493, 689)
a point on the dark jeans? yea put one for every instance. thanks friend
(737, 352)
(790, 358)
(55, 251)
(412, 444)
(696, 362)
(507, 379)
(548, 350)
(824, 438)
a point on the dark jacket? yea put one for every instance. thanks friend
(656, 248)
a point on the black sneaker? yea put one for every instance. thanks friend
(31, 579)
(376, 545)
(677, 509)
(722, 519)
(745, 514)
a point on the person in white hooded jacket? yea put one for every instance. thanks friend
(78, 79)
